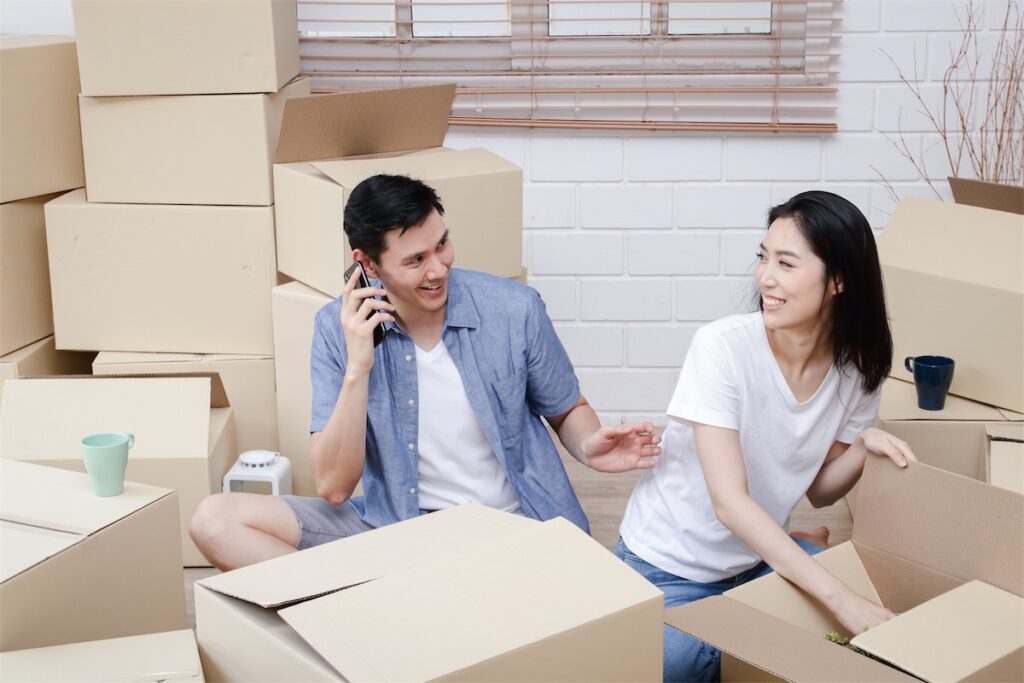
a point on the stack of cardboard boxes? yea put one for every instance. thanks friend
(40, 154)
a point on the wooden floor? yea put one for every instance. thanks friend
(604, 499)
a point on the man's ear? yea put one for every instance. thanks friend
(368, 264)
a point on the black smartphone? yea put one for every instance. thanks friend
(379, 332)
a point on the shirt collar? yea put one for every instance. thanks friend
(460, 310)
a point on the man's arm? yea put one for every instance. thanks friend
(606, 449)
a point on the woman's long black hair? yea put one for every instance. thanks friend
(841, 237)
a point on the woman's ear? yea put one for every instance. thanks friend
(837, 286)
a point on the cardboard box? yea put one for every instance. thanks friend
(76, 567)
(996, 196)
(952, 439)
(248, 382)
(42, 358)
(954, 287)
(25, 311)
(177, 47)
(171, 656)
(295, 306)
(1004, 459)
(481, 192)
(183, 427)
(40, 137)
(187, 149)
(920, 532)
(132, 277)
(426, 588)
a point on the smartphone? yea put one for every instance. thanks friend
(379, 332)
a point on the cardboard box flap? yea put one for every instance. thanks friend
(773, 645)
(772, 594)
(960, 243)
(14, 41)
(445, 615)
(1004, 463)
(26, 546)
(365, 122)
(1011, 416)
(899, 402)
(62, 500)
(349, 172)
(938, 510)
(998, 196)
(46, 418)
(168, 656)
(953, 636)
(142, 358)
(1010, 431)
(357, 559)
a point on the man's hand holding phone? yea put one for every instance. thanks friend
(363, 315)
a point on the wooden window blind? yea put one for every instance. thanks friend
(726, 65)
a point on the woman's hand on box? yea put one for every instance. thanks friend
(885, 444)
(857, 614)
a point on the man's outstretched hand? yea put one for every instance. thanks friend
(622, 448)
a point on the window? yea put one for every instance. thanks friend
(684, 64)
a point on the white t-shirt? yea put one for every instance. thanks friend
(731, 379)
(456, 464)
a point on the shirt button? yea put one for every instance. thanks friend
(412, 402)
(408, 357)
(411, 445)
(412, 492)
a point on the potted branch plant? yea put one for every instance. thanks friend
(980, 120)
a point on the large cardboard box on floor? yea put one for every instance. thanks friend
(480, 191)
(171, 656)
(26, 314)
(464, 594)
(40, 138)
(954, 287)
(919, 534)
(248, 382)
(178, 279)
(183, 427)
(295, 306)
(42, 358)
(183, 149)
(953, 439)
(180, 47)
(76, 567)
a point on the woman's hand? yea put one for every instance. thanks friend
(883, 443)
(360, 314)
(857, 614)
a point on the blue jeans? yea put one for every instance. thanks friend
(686, 658)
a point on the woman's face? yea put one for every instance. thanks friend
(791, 279)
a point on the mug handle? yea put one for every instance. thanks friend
(908, 363)
(131, 440)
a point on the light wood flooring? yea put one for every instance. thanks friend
(604, 499)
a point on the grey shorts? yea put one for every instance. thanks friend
(322, 522)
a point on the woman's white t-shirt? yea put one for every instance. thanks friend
(731, 379)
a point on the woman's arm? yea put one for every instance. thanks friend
(845, 462)
(721, 459)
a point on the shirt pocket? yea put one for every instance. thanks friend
(510, 409)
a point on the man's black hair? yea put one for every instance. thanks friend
(386, 202)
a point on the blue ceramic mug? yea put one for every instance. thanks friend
(932, 377)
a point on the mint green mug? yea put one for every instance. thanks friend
(106, 458)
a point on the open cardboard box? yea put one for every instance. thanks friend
(169, 47)
(157, 277)
(42, 358)
(170, 657)
(954, 287)
(919, 533)
(248, 382)
(481, 192)
(183, 149)
(40, 137)
(1004, 459)
(953, 439)
(464, 594)
(76, 567)
(183, 426)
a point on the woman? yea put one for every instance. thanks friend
(770, 406)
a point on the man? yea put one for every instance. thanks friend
(445, 410)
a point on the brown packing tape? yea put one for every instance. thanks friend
(948, 523)
(366, 122)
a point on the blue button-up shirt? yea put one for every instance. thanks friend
(514, 369)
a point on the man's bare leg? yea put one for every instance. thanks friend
(237, 529)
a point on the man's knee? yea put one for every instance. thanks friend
(213, 517)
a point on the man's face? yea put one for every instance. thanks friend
(414, 266)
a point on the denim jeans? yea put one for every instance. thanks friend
(686, 658)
